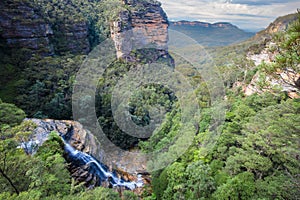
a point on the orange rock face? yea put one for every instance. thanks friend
(141, 28)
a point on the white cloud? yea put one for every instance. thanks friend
(250, 15)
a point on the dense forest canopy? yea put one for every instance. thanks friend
(256, 155)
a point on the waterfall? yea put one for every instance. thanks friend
(99, 169)
(81, 158)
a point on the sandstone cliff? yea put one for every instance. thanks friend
(144, 25)
(53, 28)
(265, 51)
(23, 26)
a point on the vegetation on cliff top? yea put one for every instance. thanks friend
(255, 157)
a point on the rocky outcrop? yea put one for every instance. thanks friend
(286, 80)
(280, 24)
(144, 25)
(23, 26)
(283, 84)
(82, 140)
(283, 80)
(72, 131)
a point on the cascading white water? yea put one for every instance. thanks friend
(81, 158)
(100, 170)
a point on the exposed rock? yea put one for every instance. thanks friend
(283, 83)
(280, 24)
(81, 174)
(72, 131)
(283, 80)
(146, 27)
(82, 140)
(22, 26)
(264, 56)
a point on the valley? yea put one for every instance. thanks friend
(110, 100)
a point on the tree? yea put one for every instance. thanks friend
(10, 114)
(287, 62)
(200, 181)
(49, 174)
(12, 160)
(241, 187)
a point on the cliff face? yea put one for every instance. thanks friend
(145, 24)
(22, 26)
(286, 80)
(280, 24)
(25, 24)
(283, 80)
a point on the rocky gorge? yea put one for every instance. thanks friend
(44, 30)
(86, 157)
(25, 25)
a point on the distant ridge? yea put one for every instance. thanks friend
(203, 24)
(207, 34)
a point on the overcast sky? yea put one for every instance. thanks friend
(246, 14)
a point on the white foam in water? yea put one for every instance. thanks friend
(90, 160)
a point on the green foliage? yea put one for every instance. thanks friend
(200, 182)
(255, 157)
(97, 193)
(10, 114)
(14, 162)
(47, 87)
(148, 96)
(128, 195)
(113, 73)
(41, 85)
(35, 176)
(255, 154)
(163, 137)
(160, 183)
(287, 59)
(240, 187)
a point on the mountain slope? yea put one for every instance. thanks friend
(280, 24)
(206, 34)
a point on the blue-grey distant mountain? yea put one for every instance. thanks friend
(206, 34)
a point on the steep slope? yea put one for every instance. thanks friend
(280, 24)
(144, 23)
(43, 43)
(24, 25)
